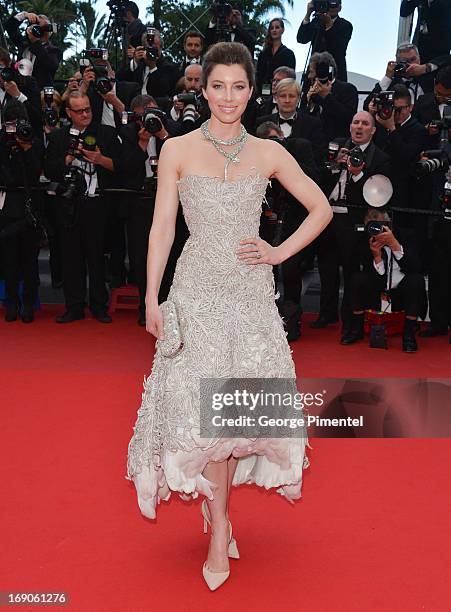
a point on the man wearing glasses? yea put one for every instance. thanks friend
(83, 217)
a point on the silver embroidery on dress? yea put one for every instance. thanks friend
(229, 321)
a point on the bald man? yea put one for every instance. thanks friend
(339, 243)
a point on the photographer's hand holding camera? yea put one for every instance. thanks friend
(226, 24)
(391, 265)
(327, 31)
(80, 158)
(189, 109)
(20, 166)
(35, 45)
(332, 100)
(155, 75)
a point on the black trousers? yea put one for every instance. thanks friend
(440, 276)
(337, 246)
(115, 234)
(20, 262)
(138, 227)
(82, 246)
(409, 295)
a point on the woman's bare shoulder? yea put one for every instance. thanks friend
(267, 152)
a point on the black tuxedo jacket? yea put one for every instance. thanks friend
(336, 110)
(335, 41)
(16, 167)
(267, 63)
(29, 87)
(132, 159)
(377, 162)
(426, 110)
(246, 36)
(125, 91)
(437, 16)
(107, 141)
(307, 127)
(404, 146)
(47, 55)
(161, 83)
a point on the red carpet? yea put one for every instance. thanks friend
(372, 531)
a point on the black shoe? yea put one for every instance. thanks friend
(102, 316)
(355, 331)
(27, 315)
(431, 332)
(11, 313)
(322, 322)
(409, 343)
(69, 316)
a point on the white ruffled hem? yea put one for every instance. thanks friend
(181, 472)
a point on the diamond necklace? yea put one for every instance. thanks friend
(231, 156)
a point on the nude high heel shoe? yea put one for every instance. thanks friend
(233, 548)
(212, 578)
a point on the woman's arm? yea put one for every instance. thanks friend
(283, 167)
(287, 171)
(162, 231)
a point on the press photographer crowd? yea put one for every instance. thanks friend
(79, 164)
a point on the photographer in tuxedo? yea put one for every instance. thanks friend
(138, 164)
(433, 31)
(80, 159)
(357, 160)
(390, 265)
(286, 216)
(35, 45)
(430, 107)
(236, 30)
(403, 138)
(406, 70)
(327, 31)
(155, 74)
(295, 124)
(20, 166)
(14, 86)
(328, 98)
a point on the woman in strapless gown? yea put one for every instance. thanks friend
(224, 294)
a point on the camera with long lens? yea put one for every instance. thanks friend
(356, 157)
(7, 74)
(102, 83)
(17, 129)
(437, 159)
(385, 104)
(50, 114)
(324, 6)
(71, 189)
(153, 120)
(400, 69)
(38, 31)
(192, 101)
(332, 155)
(151, 49)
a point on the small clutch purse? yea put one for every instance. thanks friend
(173, 341)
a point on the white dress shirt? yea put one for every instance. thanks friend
(396, 274)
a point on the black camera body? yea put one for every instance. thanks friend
(50, 114)
(372, 228)
(96, 53)
(88, 142)
(151, 49)
(7, 74)
(153, 120)
(324, 72)
(38, 31)
(356, 157)
(400, 69)
(103, 84)
(324, 6)
(18, 128)
(385, 104)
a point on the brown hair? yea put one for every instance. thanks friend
(193, 34)
(268, 39)
(228, 54)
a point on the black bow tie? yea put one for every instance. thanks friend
(287, 121)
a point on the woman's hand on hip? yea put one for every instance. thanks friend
(257, 251)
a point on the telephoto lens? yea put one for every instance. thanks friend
(356, 157)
